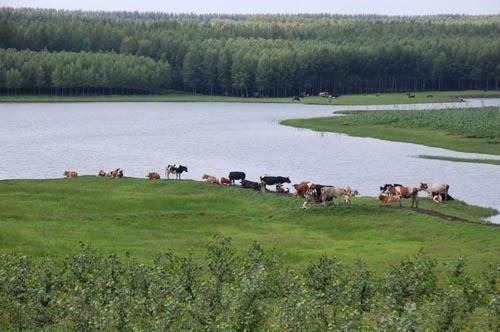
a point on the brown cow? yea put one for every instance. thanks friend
(225, 181)
(384, 198)
(301, 188)
(70, 174)
(402, 192)
(210, 179)
(153, 176)
(102, 173)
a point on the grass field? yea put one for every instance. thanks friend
(362, 99)
(49, 217)
(466, 130)
(462, 160)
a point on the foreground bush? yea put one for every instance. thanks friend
(254, 292)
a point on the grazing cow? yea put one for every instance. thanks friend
(440, 188)
(70, 174)
(295, 98)
(332, 193)
(250, 185)
(177, 170)
(225, 181)
(410, 95)
(385, 198)
(153, 176)
(236, 176)
(301, 188)
(402, 192)
(210, 179)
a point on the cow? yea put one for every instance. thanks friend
(301, 188)
(70, 174)
(210, 179)
(224, 181)
(402, 192)
(103, 173)
(385, 198)
(153, 176)
(331, 192)
(444, 197)
(176, 169)
(250, 185)
(117, 173)
(281, 190)
(273, 180)
(236, 175)
(295, 98)
(439, 188)
(348, 193)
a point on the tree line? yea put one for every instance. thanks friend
(278, 55)
(66, 73)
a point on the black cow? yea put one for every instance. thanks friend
(250, 185)
(272, 180)
(236, 176)
(177, 170)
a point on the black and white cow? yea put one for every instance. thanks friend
(273, 180)
(175, 169)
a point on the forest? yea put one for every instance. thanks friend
(45, 51)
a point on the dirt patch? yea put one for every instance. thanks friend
(443, 216)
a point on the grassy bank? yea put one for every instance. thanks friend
(364, 99)
(466, 130)
(462, 160)
(49, 217)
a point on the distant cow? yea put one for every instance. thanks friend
(301, 188)
(233, 176)
(439, 188)
(175, 169)
(402, 192)
(273, 180)
(70, 174)
(348, 193)
(333, 193)
(385, 198)
(153, 176)
(210, 179)
(225, 181)
(103, 173)
(117, 173)
(250, 185)
(444, 197)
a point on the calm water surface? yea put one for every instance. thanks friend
(42, 140)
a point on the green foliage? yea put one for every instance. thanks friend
(276, 55)
(469, 122)
(468, 129)
(88, 291)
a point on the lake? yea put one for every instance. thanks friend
(41, 140)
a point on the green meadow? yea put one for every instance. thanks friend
(467, 130)
(40, 218)
(359, 99)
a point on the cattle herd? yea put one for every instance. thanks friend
(311, 192)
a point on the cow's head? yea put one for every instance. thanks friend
(423, 186)
(287, 180)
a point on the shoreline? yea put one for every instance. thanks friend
(344, 100)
